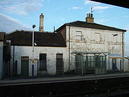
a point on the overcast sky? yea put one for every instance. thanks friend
(22, 14)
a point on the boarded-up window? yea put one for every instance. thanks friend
(79, 35)
(115, 37)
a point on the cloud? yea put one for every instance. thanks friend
(101, 20)
(9, 18)
(22, 7)
(100, 7)
(76, 8)
(91, 2)
(95, 5)
(127, 28)
(9, 24)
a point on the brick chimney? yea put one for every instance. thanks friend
(90, 18)
(41, 23)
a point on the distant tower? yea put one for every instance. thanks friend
(41, 21)
(90, 18)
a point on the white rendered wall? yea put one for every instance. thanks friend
(51, 57)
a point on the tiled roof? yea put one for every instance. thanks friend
(92, 25)
(24, 38)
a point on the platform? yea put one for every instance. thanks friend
(61, 79)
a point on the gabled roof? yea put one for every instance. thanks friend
(91, 25)
(24, 38)
(2, 36)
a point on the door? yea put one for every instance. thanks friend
(25, 66)
(100, 64)
(79, 64)
(59, 64)
(114, 65)
(43, 62)
(90, 65)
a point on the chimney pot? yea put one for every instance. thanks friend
(90, 18)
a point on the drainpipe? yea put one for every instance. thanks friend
(13, 60)
(123, 44)
(69, 50)
(123, 50)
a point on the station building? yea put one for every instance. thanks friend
(82, 47)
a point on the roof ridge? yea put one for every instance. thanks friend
(94, 25)
(29, 31)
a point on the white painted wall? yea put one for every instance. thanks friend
(1, 59)
(51, 57)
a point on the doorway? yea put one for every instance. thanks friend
(59, 64)
(25, 66)
(43, 62)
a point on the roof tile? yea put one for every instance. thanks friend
(24, 38)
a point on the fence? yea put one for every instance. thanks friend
(90, 64)
(82, 65)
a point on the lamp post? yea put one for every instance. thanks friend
(33, 60)
(33, 43)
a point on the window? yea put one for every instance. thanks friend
(43, 62)
(79, 35)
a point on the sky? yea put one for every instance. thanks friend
(22, 14)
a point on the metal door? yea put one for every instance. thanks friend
(59, 64)
(25, 66)
(43, 62)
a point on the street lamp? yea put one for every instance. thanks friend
(33, 60)
(33, 26)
